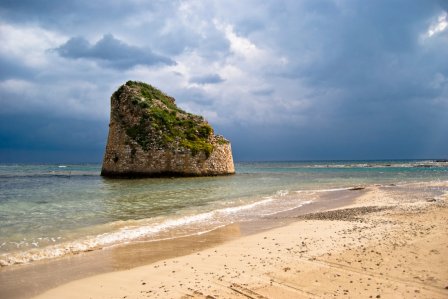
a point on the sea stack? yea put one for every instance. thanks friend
(149, 136)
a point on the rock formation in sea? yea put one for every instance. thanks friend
(149, 136)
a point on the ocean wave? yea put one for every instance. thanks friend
(384, 164)
(59, 174)
(324, 190)
(289, 209)
(245, 207)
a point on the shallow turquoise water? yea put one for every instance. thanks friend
(51, 210)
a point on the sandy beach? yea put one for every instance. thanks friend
(392, 242)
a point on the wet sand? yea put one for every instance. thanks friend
(392, 242)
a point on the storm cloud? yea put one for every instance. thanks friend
(207, 79)
(111, 52)
(283, 80)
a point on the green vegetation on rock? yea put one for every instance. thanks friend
(160, 117)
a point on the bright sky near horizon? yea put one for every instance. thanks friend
(283, 80)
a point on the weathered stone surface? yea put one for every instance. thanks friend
(149, 136)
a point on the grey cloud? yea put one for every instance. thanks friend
(262, 92)
(207, 79)
(212, 46)
(372, 79)
(69, 14)
(12, 69)
(111, 52)
(370, 54)
(147, 21)
(180, 37)
(192, 97)
(34, 138)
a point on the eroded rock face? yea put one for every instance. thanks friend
(149, 136)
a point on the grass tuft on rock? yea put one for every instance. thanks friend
(160, 116)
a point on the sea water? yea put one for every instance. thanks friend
(49, 211)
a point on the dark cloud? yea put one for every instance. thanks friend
(12, 69)
(263, 92)
(193, 97)
(44, 136)
(111, 52)
(207, 79)
(393, 138)
(369, 66)
(69, 15)
(181, 38)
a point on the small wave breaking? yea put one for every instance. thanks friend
(139, 230)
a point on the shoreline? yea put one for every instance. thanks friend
(277, 253)
(25, 280)
(173, 226)
(386, 244)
